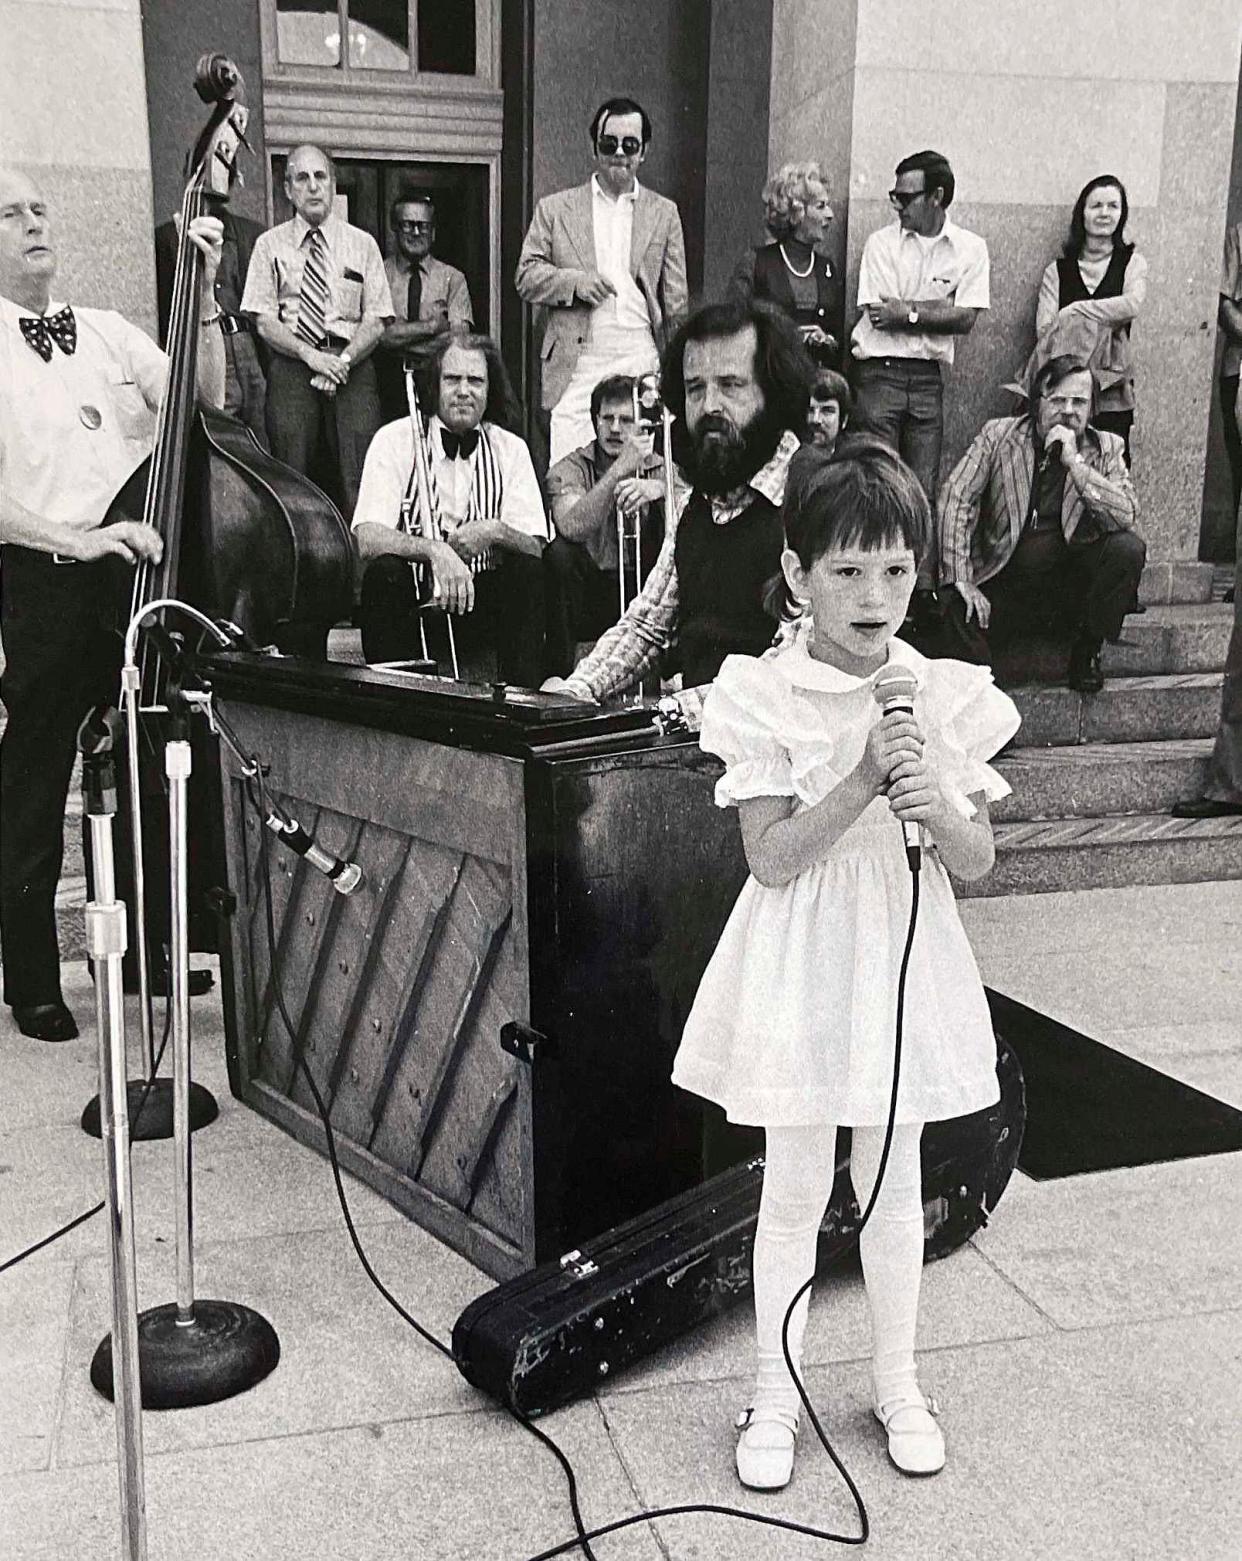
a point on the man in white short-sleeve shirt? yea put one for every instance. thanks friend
(921, 283)
(483, 565)
(317, 292)
(79, 392)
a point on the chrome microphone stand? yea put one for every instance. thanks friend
(151, 1099)
(192, 1351)
(105, 946)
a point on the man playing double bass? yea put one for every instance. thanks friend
(79, 390)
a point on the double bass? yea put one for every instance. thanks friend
(247, 539)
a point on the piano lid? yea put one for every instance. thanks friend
(493, 718)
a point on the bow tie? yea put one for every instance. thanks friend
(41, 331)
(455, 445)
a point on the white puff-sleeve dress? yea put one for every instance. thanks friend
(795, 1017)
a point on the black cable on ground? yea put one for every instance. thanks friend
(257, 795)
(88, 1214)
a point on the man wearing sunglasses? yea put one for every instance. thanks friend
(921, 283)
(429, 298)
(607, 262)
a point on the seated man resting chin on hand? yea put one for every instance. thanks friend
(1039, 525)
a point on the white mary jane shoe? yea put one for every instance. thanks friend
(915, 1441)
(765, 1448)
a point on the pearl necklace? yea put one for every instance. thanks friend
(792, 269)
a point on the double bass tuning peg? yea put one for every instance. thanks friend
(216, 78)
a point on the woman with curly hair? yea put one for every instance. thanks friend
(1089, 297)
(792, 272)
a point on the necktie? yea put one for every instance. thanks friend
(313, 298)
(462, 445)
(41, 331)
(414, 297)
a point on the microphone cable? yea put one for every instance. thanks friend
(583, 1536)
(89, 1214)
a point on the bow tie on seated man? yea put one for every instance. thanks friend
(483, 558)
(459, 446)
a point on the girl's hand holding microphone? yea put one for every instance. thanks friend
(894, 750)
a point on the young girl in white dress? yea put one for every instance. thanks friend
(793, 1025)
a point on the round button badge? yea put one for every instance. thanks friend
(92, 417)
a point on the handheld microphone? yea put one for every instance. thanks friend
(894, 689)
(344, 877)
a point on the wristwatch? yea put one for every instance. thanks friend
(913, 317)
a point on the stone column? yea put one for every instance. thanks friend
(73, 115)
(1028, 101)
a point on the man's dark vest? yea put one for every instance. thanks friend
(721, 574)
(771, 282)
(1112, 284)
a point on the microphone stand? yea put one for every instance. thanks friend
(192, 1352)
(105, 946)
(152, 1101)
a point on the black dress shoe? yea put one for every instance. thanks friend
(1085, 673)
(45, 1021)
(201, 981)
(1206, 807)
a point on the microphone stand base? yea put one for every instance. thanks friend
(156, 1118)
(225, 1349)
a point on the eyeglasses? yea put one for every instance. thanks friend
(413, 227)
(902, 198)
(610, 145)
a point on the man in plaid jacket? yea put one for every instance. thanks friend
(1039, 525)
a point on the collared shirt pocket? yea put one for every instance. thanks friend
(133, 418)
(349, 293)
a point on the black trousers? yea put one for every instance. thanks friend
(325, 437)
(583, 600)
(1117, 423)
(505, 630)
(1233, 438)
(62, 658)
(1086, 592)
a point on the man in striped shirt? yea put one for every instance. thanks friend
(320, 300)
(1038, 524)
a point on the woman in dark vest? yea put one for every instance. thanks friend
(1093, 293)
(792, 272)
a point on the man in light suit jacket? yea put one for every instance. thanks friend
(607, 260)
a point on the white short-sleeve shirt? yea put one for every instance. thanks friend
(952, 266)
(74, 428)
(390, 460)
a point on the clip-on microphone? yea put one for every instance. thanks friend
(894, 690)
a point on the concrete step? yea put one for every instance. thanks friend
(1127, 710)
(1099, 780)
(1107, 853)
(1183, 637)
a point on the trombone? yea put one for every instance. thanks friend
(649, 410)
(424, 523)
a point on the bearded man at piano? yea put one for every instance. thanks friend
(476, 561)
(79, 393)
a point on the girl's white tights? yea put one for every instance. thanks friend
(797, 1183)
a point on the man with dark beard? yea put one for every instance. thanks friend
(737, 380)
